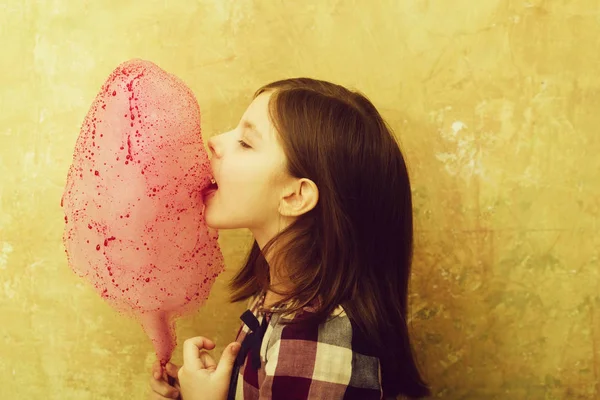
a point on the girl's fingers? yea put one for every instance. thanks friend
(172, 370)
(157, 371)
(161, 388)
(191, 351)
(208, 361)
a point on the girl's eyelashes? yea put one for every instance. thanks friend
(244, 144)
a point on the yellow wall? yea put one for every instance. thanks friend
(498, 110)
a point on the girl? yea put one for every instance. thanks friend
(317, 176)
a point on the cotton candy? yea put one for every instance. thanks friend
(134, 213)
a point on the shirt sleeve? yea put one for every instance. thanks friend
(320, 363)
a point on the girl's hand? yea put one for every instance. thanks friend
(159, 382)
(200, 377)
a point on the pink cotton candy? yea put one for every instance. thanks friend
(133, 204)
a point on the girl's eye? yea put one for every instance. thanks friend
(244, 144)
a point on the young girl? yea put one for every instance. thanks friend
(317, 176)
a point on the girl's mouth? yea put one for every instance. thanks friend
(210, 189)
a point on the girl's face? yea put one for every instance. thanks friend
(249, 166)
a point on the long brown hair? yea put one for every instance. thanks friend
(354, 247)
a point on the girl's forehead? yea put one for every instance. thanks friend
(260, 105)
(257, 120)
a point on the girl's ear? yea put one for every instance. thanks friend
(300, 199)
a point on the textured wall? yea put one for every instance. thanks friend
(496, 105)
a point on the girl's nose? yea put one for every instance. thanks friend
(212, 146)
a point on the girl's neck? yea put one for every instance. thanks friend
(272, 298)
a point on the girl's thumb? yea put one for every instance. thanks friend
(227, 360)
(235, 349)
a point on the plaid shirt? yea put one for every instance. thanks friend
(325, 362)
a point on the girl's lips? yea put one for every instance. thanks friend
(212, 184)
(209, 190)
(208, 193)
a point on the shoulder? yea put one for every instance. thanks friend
(328, 360)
